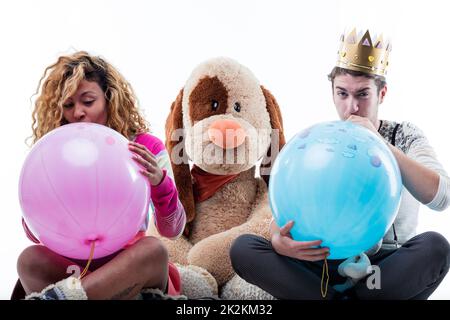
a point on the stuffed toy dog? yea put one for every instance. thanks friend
(223, 121)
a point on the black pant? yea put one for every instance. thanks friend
(412, 271)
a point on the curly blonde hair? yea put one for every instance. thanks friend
(61, 80)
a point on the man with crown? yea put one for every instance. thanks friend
(409, 266)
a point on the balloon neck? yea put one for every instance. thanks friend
(91, 239)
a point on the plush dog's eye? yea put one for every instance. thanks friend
(237, 107)
(214, 105)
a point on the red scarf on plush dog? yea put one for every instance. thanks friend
(207, 184)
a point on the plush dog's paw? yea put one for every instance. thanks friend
(356, 267)
(239, 289)
(196, 282)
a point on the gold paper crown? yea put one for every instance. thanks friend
(362, 55)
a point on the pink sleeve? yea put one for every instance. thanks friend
(170, 217)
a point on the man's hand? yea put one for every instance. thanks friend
(283, 244)
(365, 122)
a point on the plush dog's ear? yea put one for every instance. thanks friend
(277, 137)
(175, 147)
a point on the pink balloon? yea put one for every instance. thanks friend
(80, 184)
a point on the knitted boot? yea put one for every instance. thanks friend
(66, 289)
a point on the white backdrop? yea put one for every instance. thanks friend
(289, 45)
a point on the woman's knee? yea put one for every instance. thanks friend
(33, 259)
(30, 256)
(152, 258)
(151, 250)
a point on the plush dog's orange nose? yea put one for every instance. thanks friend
(227, 134)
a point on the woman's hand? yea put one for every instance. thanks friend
(283, 244)
(148, 162)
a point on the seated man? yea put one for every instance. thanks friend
(411, 266)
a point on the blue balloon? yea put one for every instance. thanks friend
(339, 183)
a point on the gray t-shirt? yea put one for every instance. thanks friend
(411, 140)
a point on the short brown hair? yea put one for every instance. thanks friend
(380, 81)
